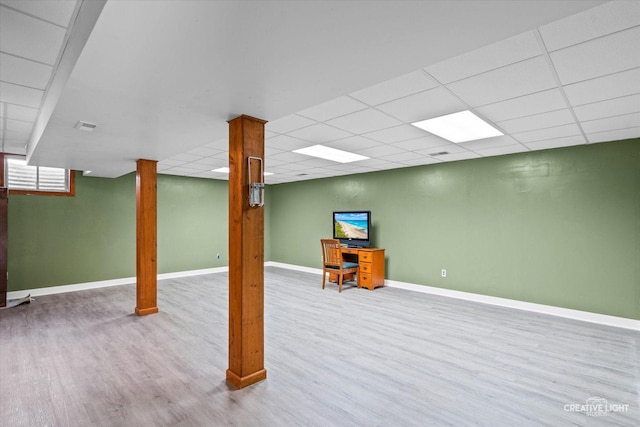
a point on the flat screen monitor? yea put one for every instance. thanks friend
(352, 228)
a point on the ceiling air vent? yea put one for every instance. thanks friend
(85, 126)
(441, 153)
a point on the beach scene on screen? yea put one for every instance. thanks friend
(351, 225)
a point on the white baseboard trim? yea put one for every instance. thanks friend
(585, 316)
(107, 283)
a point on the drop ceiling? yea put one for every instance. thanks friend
(160, 80)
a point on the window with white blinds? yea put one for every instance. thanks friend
(20, 176)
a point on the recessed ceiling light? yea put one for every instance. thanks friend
(226, 170)
(459, 127)
(221, 170)
(329, 153)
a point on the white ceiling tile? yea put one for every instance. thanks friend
(40, 42)
(498, 151)
(450, 148)
(319, 133)
(399, 87)
(458, 156)
(22, 135)
(380, 151)
(614, 135)
(608, 108)
(371, 163)
(576, 63)
(314, 162)
(204, 151)
(425, 105)
(426, 141)
(334, 108)
(403, 157)
(612, 123)
(602, 88)
(288, 124)
(18, 112)
(505, 52)
(537, 121)
(592, 23)
(286, 143)
(18, 126)
(169, 163)
(422, 160)
(186, 157)
(396, 134)
(557, 142)
(483, 144)
(364, 121)
(20, 95)
(548, 133)
(353, 143)
(14, 147)
(288, 157)
(297, 166)
(209, 162)
(58, 11)
(198, 166)
(540, 102)
(522, 78)
(25, 73)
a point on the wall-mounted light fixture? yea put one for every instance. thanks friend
(256, 189)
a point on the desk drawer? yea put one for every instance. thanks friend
(364, 256)
(365, 279)
(365, 267)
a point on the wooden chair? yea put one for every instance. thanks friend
(332, 262)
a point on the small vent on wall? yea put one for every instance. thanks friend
(85, 126)
(441, 153)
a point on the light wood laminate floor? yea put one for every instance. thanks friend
(390, 357)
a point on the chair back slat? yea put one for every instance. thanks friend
(331, 252)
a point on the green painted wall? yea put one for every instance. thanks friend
(64, 240)
(91, 237)
(558, 227)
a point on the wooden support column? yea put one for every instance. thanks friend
(246, 255)
(146, 238)
(4, 244)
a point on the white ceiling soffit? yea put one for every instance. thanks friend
(40, 42)
(160, 79)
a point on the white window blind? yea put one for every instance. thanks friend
(20, 176)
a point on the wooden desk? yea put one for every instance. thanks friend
(370, 266)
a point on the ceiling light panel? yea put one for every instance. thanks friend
(459, 127)
(329, 153)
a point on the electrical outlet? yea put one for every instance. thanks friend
(443, 273)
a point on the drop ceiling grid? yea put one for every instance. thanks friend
(539, 87)
(31, 38)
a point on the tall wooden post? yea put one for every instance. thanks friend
(4, 244)
(246, 255)
(146, 238)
